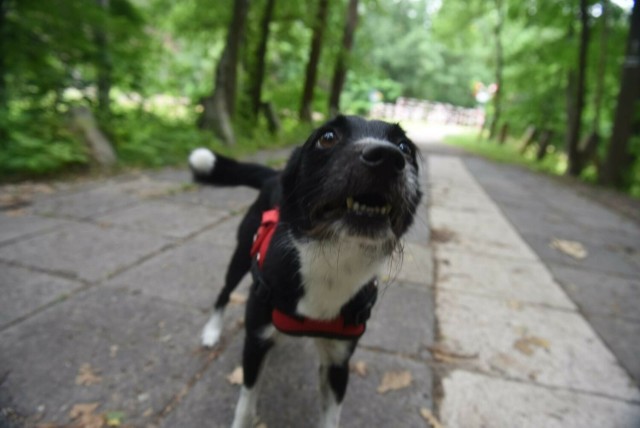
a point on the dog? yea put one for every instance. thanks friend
(315, 240)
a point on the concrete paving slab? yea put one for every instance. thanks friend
(24, 291)
(414, 265)
(141, 352)
(163, 218)
(601, 294)
(478, 232)
(402, 309)
(518, 281)
(232, 199)
(83, 250)
(191, 274)
(620, 336)
(546, 346)
(83, 204)
(16, 227)
(289, 396)
(599, 257)
(472, 400)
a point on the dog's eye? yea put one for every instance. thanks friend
(405, 147)
(327, 140)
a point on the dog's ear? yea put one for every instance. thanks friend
(291, 172)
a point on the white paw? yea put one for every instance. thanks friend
(212, 330)
(202, 160)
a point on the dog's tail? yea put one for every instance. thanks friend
(213, 168)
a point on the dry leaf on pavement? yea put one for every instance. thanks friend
(360, 368)
(527, 345)
(236, 376)
(392, 381)
(86, 376)
(572, 248)
(238, 298)
(85, 417)
(430, 418)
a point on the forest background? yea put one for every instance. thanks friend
(155, 78)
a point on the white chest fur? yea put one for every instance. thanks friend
(333, 272)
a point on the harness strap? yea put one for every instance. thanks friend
(350, 324)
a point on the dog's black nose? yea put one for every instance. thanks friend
(383, 157)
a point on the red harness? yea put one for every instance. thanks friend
(295, 324)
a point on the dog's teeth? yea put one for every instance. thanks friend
(349, 203)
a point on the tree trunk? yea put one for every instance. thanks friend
(575, 121)
(257, 76)
(619, 161)
(219, 107)
(497, 96)
(528, 138)
(4, 96)
(602, 66)
(504, 133)
(103, 64)
(543, 145)
(314, 59)
(340, 72)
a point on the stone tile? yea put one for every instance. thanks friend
(600, 294)
(143, 350)
(12, 228)
(550, 347)
(289, 394)
(191, 274)
(519, 281)
(25, 291)
(84, 204)
(478, 232)
(83, 250)
(473, 400)
(414, 265)
(621, 336)
(599, 258)
(167, 219)
(222, 198)
(402, 321)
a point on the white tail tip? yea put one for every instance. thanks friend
(202, 160)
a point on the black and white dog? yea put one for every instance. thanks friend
(342, 203)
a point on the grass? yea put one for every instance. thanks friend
(554, 163)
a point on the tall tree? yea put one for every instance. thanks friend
(4, 98)
(602, 67)
(499, 59)
(340, 71)
(577, 91)
(257, 75)
(219, 107)
(314, 58)
(103, 60)
(619, 161)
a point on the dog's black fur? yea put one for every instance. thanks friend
(370, 163)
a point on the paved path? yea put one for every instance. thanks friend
(106, 285)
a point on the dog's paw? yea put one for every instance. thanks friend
(202, 160)
(212, 330)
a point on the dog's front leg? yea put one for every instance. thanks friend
(334, 376)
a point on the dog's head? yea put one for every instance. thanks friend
(352, 177)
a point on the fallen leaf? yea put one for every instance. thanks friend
(261, 425)
(515, 304)
(392, 381)
(572, 248)
(238, 298)
(148, 412)
(442, 235)
(527, 345)
(236, 376)
(86, 376)
(85, 416)
(430, 418)
(360, 368)
(16, 213)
